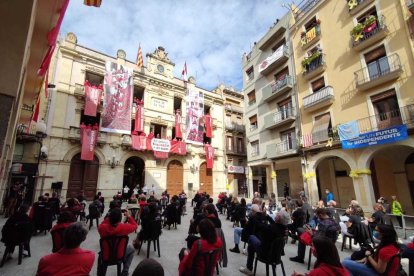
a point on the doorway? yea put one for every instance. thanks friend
(175, 175)
(83, 177)
(206, 179)
(134, 173)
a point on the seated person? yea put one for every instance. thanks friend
(239, 213)
(112, 226)
(8, 232)
(149, 267)
(54, 204)
(209, 241)
(71, 259)
(65, 219)
(377, 217)
(73, 206)
(260, 243)
(376, 263)
(327, 259)
(408, 252)
(298, 220)
(148, 215)
(359, 231)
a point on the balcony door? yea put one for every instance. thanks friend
(288, 140)
(285, 110)
(387, 111)
(377, 63)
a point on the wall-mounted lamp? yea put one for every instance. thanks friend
(113, 163)
(193, 168)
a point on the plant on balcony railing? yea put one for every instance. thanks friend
(308, 60)
(367, 26)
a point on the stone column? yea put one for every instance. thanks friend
(274, 179)
(364, 192)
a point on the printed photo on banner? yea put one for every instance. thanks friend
(195, 117)
(119, 88)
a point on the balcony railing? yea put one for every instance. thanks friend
(253, 127)
(234, 108)
(313, 65)
(280, 149)
(378, 72)
(74, 134)
(370, 35)
(252, 102)
(403, 115)
(255, 153)
(324, 95)
(311, 36)
(277, 58)
(303, 8)
(234, 127)
(283, 116)
(277, 88)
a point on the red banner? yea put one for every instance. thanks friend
(89, 137)
(209, 155)
(118, 87)
(208, 124)
(93, 96)
(160, 154)
(139, 142)
(139, 116)
(178, 147)
(148, 142)
(178, 133)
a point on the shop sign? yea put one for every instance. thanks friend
(236, 169)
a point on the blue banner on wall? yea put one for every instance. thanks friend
(385, 136)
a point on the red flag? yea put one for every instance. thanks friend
(139, 142)
(51, 39)
(93, 96)
(209, 155)
(149, 138)
(178, 133)
(178, 147)
(139, 116)
(307, 140)
(208, 125)
(89, 138)
(35, 116)
(93, 3)
(184, 72)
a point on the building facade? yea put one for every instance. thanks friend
(271, 114)
(235, 142)
(115, 164)
(354, 62)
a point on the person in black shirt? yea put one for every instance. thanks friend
(299, 218)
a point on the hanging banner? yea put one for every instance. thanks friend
(139, 116)
(236, 169)
(178, 147)
(89, 138)
(178, 133)
(148, 141)
(139, 142)
(348, 130)
(93, 96)
(385, 136)
(209, 125)
(160, 154)
(162, 145)
(119, 88)
(209, 155)
(271, 59)
(194, 119)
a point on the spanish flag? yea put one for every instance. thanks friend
(95, 3)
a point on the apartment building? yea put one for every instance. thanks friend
(354, 79)
(271, 113)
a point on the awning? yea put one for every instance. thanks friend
(320, 128)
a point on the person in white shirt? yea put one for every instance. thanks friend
(136, 191)
(145, 190)
(153, 189)
(126, 192)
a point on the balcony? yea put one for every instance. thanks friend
(319, 99)
(277, 88)
(280, 56)
(310, 37)
(280, 118)
(282, 149)
(253, 127)
(234, 108)
(313, 65)
(233, 127)
(304, 8)
(369, 35)
(378, 72)
(354, 6)
(410, 6)
(272, 36)
(74, 135)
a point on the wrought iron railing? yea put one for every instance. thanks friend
(378, 68)
(234, 127)
(283, 114)
(321, 95)
(304, 7)
(314, 64)
(276, 86)
(380, 25)
(285, 146)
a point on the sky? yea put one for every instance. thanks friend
(209, 35)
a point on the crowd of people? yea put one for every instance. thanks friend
(264, 226)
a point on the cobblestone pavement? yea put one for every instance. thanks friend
(171, 241)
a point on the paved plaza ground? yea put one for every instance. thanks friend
(171, 241)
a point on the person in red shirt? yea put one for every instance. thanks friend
(71, 260)
(327, 259)
(378, 260)
(209, 241)
(112, 226)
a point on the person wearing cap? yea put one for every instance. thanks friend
(254, 218)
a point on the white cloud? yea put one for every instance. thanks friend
(210, 35)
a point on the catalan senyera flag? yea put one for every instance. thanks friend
(94, 3)
(140, 61)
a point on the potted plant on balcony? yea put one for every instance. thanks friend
(356, 32)
(370, 23)
(308, 60)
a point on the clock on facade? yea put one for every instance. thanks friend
(160, 68)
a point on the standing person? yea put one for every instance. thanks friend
(329, 196)
(376, 263)
(327, 259)
(71, 259)
(396, 209)
(145, 190)
(153, 189)
(126, 193)
(286, 190)
(302, 194)
(12, 199)
(136, 191)
(112, 226)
